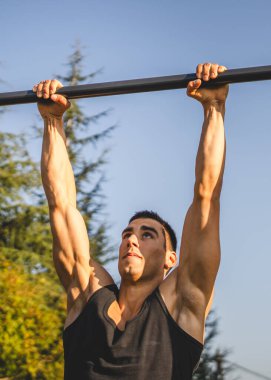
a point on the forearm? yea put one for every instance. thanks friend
(211, 153)
(56, 170)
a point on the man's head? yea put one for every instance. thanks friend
(147, 250)
(167, 228)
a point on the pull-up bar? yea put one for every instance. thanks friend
(171, 82)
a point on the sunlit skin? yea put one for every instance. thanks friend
(144, 255)
(144, 259)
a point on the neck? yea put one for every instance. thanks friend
(132, 297)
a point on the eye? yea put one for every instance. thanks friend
(147, 235)
(126, 236)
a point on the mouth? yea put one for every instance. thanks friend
(132, 254)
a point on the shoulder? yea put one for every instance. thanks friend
(95, 300)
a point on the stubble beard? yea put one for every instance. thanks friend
(131, 273)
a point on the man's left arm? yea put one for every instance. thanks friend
(200, 245)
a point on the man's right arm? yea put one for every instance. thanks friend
(80, 275)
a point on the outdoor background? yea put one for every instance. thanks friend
(153, 149)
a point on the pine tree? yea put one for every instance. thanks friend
(87, 171)
(23, 218)
(32, 308)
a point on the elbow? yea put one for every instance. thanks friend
(203, 192)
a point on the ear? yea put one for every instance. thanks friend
(171, 259)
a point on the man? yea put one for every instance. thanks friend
(153, 326)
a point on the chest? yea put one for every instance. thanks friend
(150, 344)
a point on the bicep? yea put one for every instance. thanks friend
(200, 251)
(78, 273)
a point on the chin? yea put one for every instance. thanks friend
(130, 273)
(130, 268)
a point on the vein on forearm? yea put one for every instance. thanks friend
(56, 170)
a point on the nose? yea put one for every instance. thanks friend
(132, 241)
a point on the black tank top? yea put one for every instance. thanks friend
(152, 346)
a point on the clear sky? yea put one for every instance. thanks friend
(151, 163)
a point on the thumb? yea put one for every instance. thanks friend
(192, 87)
(60, 100)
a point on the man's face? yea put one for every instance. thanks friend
(142, 251)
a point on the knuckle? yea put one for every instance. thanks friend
(56, 82)
(214, 68)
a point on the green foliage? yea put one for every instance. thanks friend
(17, 171)
(32, 308)
(32, 312)
(24, 222)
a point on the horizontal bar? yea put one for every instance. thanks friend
(140, 85)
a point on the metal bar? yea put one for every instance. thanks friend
(140, 85)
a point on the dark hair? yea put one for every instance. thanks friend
(153, 215)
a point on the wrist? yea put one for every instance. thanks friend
(214, 106)
(51, 117)
(52, 123)
(54, 126)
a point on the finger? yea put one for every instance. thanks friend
(199, 71)
(39, 88)
(54, 85)
(214, 70)
(34, 89)
(206, 71)
(193, 86)
(221, 69)
(45, 89)
(60, 100)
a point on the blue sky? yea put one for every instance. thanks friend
(151, 163)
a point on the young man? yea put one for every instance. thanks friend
(152, 327)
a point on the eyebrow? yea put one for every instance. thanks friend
(142, 228)
(148, 228)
